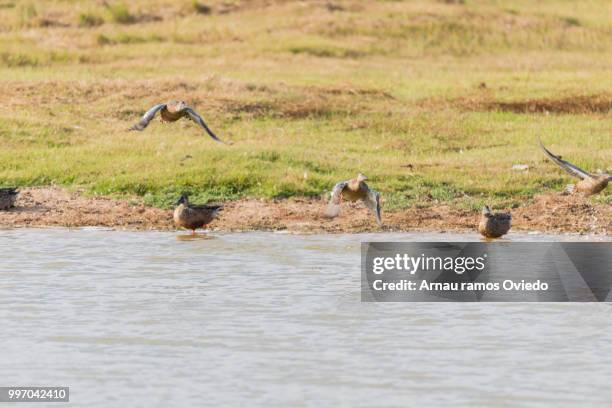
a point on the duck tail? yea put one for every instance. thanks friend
(216, 209)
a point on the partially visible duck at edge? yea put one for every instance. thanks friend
(8, 197)
(589, 184)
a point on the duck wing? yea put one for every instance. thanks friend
(372, 201)
(565, 165)
(207, 207)
(198, 119)
(147, 117)
(333, 208)
(503, 216)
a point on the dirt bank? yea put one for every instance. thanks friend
(49, 206)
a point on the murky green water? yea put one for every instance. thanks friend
(129, 319)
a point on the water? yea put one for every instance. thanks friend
(143, 319)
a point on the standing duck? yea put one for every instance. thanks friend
(191, 216)
(7, 197)
(171, 112)
(494, 225)
(354, 190)
(589, 184)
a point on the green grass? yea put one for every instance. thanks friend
(311, 94)
(119, 13)
(90, 20)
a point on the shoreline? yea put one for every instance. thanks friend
(40, 207)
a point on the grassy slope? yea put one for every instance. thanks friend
(311, 93)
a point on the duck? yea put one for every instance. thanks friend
(190, 216)
(171, 112)
(354, 190)
(494, 225)
(589, 184)
(8, 197)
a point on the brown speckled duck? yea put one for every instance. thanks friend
(191, 216)
(494, 225)
(354, 190)
(171, 112)
(7, 197)
(589, 184)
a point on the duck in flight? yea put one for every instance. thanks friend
(354, 190)
(171, 112)
(589, 184)
(494, 225)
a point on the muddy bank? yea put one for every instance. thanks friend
(46, 207)
(55, 207)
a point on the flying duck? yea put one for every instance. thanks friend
(589, 184)
(171, 112)
(354, 190)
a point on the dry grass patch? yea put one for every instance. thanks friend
(581, 104)
(486, 102)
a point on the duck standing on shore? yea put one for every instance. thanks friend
(589, 184)
(7, 197)
(494, 225)
(354, 190)
(171, 112)
(191, 216)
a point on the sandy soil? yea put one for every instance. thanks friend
(50, 206)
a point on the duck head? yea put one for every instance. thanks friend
(361, 177)
(183, 199)
(178, 105)
(486, 211)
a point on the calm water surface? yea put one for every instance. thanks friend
(143, 319)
